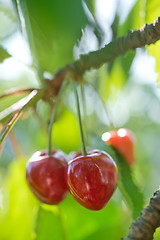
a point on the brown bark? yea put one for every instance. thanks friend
(148, 34)
(144, 227)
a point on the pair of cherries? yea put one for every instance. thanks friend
(90, 179)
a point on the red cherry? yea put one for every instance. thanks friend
(123, 140)
(75, 154)
(46, 176)
(92, 179)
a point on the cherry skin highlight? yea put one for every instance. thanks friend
(122, 140)
(45, 176)
(73, 155)
(92, 179)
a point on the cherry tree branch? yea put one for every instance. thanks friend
(144, 227)
(148, 34)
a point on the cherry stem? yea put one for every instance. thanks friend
(84, 105)
(84, 152)
(54, 116)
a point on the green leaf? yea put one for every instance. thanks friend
(49, 223)
(91, 5)
(19, 206)
(82, 223)
(52, 27)
(152, 9)
(134, 19)
(3, 54)
(128, 187)
(131, 192)
(152, 12)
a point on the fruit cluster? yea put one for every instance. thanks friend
(90, 179)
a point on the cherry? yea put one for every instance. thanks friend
(45, 176)
(76, 154)
(92, 179)
(73, 155)
(122, 140)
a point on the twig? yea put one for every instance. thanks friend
(28, 101)
(148, 34)
(16, 92)
(20, 104)
(144, 227)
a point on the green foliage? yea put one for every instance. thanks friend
(83, 224)
(66, 126)
(110, 83)
(152, 12)
(3, 54)
(118, 71)
(134, 19)
(91, 5)
(52, 28)
(19, 206)
(131, 192)
(49, 223)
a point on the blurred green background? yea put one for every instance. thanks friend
(40, 40)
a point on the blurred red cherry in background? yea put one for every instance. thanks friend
(122, 140)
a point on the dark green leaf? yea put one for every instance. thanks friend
(91, 5)
(53, 28)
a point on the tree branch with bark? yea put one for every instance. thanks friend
(144, 227)
(146, 35)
